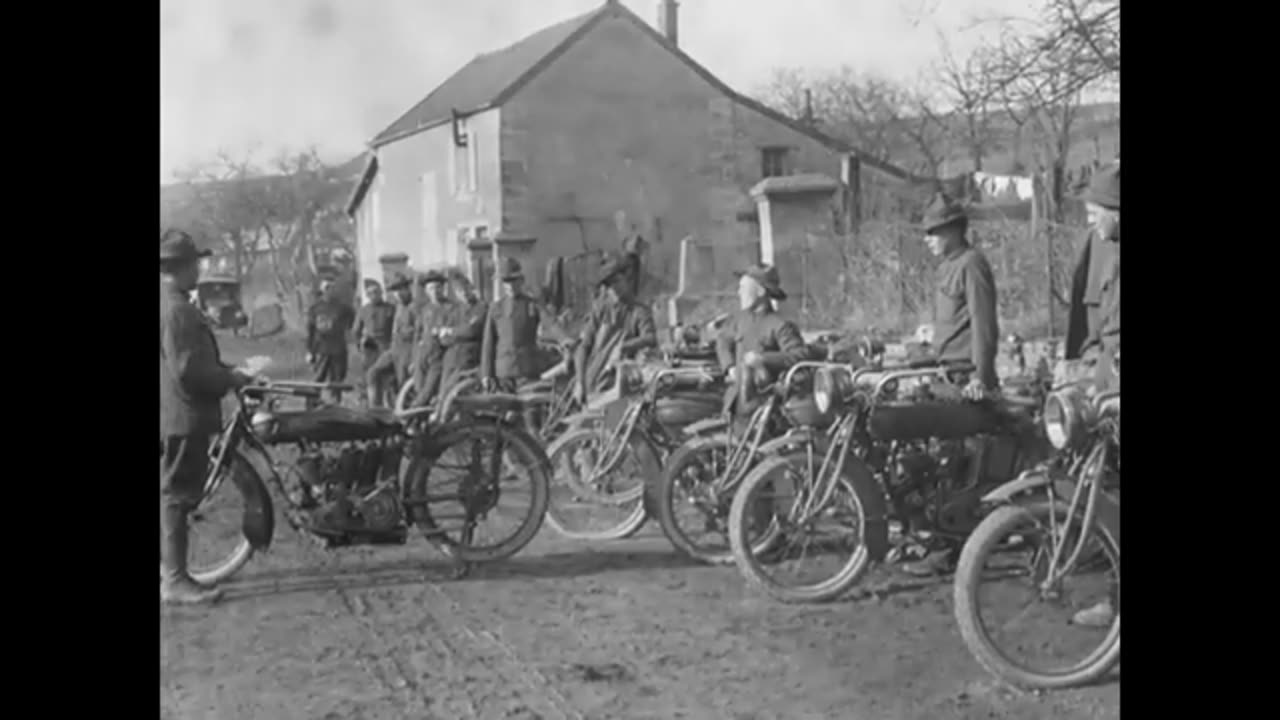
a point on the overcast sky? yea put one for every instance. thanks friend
(287, 73)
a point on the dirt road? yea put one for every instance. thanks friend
(625, 631)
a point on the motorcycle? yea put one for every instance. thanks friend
(705, 471)
(899, 466)
(1065, 515)
(365, 477)
(641, 419)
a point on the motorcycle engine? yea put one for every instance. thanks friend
(349, 487)
(928, 483)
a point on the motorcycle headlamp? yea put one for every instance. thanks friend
(1066, 416)
(830, 388)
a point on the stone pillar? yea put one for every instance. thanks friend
(393, 264)
(479, 267)
(793, 209)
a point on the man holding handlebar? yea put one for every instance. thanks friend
(193, 380)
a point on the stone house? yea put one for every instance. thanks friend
(591, 129)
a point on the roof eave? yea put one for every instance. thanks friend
(362, 187)
(383, 141)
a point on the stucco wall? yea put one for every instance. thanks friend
(397, 196)
(618, 123)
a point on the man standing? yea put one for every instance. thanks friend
(374, 326)
(965, 323)
(395, 362)
(1102, 346)
(435, 315)
(757, 343)
(618, 327)
(1093, 332)
(328, 322)
(193, 380)
(509, 349)
(461, 340)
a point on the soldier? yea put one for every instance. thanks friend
(618, 327)
(1097, 273)
(395, 361)
(434, 315)
(328, 322)
(463, 337)
(374, 326)
(965, 324)
(509, 350)
(757, 343)
(193, 380)
(1102, 346)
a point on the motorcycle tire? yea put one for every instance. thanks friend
(990, 533)
(224, 567)
(869, 501)
(530, 457)
(650, 466)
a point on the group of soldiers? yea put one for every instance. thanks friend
(433, 336)
(438, 329)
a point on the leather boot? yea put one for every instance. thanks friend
(176, 587)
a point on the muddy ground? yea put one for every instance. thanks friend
(627, 630)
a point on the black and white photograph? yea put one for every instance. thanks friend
(639, 359)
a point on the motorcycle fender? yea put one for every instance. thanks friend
(1026, 482)
(259, 522)
(706, 426)
(793, 437)
(1108, 509)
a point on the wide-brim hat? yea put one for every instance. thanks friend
(942, 211)
(511, 270)
(177, 246)
(399, 282)
(767, 277)
(1104, 187)
(431, 276)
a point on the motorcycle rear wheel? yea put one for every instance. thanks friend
(525, 454)
(997, 527)
(631, 499)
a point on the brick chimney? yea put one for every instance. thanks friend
(669, 20)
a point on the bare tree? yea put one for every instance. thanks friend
(280, 213)
(969, 89)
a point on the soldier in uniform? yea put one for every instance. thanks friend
(462, 338)
(965, 324)
(966, 327)
(1097, 273)
(395, 361)
(619, 327)
(328, 322)
(1102, 345)
(435, 314)
(509, 349)
(757, 344)
(374, 326)
(193, 380)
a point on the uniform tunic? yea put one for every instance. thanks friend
(432, 317)
(462, 348)
(193, 380)
(327, 324)
(764, 331)
(509, 349)
(625, 327)
(965, 323)
(374, 323)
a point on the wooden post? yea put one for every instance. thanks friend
(1037, 190)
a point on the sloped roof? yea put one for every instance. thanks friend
(488, 77)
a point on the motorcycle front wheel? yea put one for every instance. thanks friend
(1031, 529)
(842, 536)
(217, 547)
(611, 508)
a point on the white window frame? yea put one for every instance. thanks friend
(464, 187)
